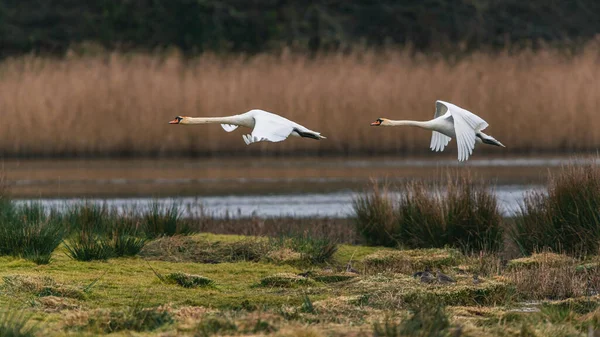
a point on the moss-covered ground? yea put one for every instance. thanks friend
(361, 291)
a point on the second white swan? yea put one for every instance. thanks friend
(451, 121)
(266, 126)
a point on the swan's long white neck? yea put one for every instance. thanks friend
(424, 125)
(235, 120)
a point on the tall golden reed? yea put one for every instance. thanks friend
(119, 104)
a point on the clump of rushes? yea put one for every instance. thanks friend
(29, 231)
(375, 217)
(188, 280)
(462, 213)
(312, 249)
(564, 219)
(99, 233)
(164, 221)
(15, 323)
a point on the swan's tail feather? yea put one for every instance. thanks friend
(487, 139)
(310, 134)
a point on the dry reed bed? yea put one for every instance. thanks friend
(120, 104)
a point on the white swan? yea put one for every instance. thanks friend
(451, 121)
(266, 126)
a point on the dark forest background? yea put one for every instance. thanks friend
(195, 26)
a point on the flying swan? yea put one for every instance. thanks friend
(266, 126)
(451, 121)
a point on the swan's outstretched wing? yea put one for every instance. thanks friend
(466, 126)
(269, 128)
(229, 127)
(439, 140)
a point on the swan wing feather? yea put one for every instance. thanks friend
(268, 128)
(439, 140)
(466, 126)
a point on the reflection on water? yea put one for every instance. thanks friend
(332, 205)
(111, 178)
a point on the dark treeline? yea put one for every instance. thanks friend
(261, 25)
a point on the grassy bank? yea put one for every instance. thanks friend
(119, 104)
(167, 293)
(448, 271)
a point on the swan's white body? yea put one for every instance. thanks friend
(451, 121)
(266, 126)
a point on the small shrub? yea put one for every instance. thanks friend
(189, 281)
(566, 218)
(16, 324)
(375, 218)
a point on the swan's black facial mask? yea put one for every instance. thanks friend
(177, 120)
(377, 122)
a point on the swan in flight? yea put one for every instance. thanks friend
(266, 126)
(451, 121)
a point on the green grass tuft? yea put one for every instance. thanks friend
(15, 323)
(189, 281)
(136, 318)
(29, 231)
(285, 280)
(164, 221)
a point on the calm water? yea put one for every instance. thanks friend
(332, 205)
(241, 187)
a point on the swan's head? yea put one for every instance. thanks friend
(179, 120)
(381, 122)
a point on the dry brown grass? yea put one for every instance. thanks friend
(120, 104)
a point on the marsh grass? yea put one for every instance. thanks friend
(458, 211)
(427, 319)
(81, 99)
(215, 326)
(29, 231)
(375, 217)
(552, 277)
(566, 218)
(136, 317)
(471, 215)
(312, 249)
(164, 221)
(98, 233)
(39, 286)
(188, 280)
(17, 323)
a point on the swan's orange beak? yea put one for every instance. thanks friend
(175, 121)
(376, 123)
